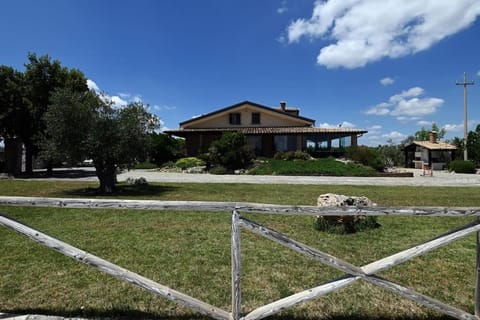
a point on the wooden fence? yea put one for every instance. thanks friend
(352, 273)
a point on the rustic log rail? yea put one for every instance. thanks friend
(352, 272)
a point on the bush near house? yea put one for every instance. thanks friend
(318, 167)
(189, 162)
(367, 156)
(229, 153)
(462, 166)
(292, 155)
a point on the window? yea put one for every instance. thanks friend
(285, 143)
(235, 118)
(255, 117)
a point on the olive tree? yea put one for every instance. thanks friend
(13, 115)
(87, 126)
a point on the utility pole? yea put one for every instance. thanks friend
(465, 83)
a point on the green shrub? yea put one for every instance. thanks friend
(345, 224)
(318, 167)
(231, 151)
(461, 166)
(145, 165)
(367, 156)
(291, 155)
(163, 148)
(218, 170)
(189, 162)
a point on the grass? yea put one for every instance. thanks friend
(261, 193)
(318, 167)
(190, 251)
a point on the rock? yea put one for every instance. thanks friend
(339, 200)
(140, 181)
(199, 169)
(348, 224)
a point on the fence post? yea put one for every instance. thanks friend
(477, 273)
(236, 267)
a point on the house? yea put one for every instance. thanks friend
(268, 130)
(437, 155)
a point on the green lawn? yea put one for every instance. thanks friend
(190, 251)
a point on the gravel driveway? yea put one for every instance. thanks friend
(439, 178)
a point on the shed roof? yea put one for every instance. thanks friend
(433, 146)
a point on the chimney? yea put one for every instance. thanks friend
(283, 105)
(433, 136)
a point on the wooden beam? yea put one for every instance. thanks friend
(114, 270)
(366, 272)
(299, 298)
(477, 280)
(420, 298)
(301, 248)
(418, 250)
(236, 267)
(240, 206)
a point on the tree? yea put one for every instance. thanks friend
(459, 143)
(424, 134)
(42, 77)
(163, 148)
(392, 154)
(231, 151)
(13, 115)
(113, 138)
(473, 145)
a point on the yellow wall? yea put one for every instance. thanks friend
(267, 119)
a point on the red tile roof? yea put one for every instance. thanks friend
(271, 130)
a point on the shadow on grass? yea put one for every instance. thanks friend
(123, 190)
(136, 314)
(66, 173)
(96, 314)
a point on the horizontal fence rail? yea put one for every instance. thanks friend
(240, 206)
(352, 273)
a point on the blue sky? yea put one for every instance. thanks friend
(389, 67)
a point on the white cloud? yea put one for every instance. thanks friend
(118, 102)
(453, 127)
(407, 105)
(394, 135)
(374, 130)
(283, 7)
(400, 28)
(381, 109)
(387, 81)
(478, 73)
(92, 86)
(406, 119)
(412, 92)
(163, 107)
(123, 99)
(425, 123)
(344, 124)
(416, 107)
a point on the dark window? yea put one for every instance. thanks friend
(235, 118)
(256, 118)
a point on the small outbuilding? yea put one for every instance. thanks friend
(432, 154)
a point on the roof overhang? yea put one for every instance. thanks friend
(269, 130)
